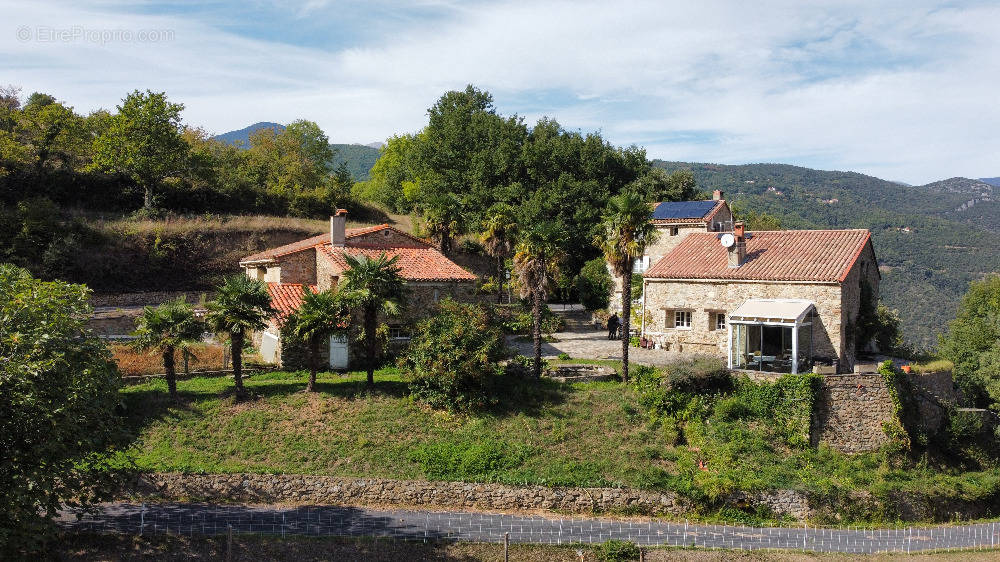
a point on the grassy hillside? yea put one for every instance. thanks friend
(177, 253)
(927, 249)
(539, 432)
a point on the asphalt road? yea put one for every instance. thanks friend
(204, 519)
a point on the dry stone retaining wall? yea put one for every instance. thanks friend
(331, 490)
(327, 490)
(850, 411)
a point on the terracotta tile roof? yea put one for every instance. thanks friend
(416, 264)
(286, 297)
(324, 238)
(418, 260)
(781, 255)
(685, 211)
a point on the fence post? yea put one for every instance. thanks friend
(506, 547)
(142, 518)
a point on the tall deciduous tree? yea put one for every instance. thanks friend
(498, 237)
(58, 393)
(625, 233)
(241, 307)
(375, 286)
(536, 264)
(320, 316)
(973, 342)
(143, 141)
(167, 328)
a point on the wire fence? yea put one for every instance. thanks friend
(331, 521)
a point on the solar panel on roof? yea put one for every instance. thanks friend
(683, 209)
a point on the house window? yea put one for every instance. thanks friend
(437, 295)
(682, 319)
(641, 265)
(673, 231)
(398, 333)
(720, 321)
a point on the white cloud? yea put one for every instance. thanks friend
(901, 90)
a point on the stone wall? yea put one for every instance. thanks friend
(299, 267)
(387, 237)
(128, 300)
(849, 412)
(706, 298)
(933, 394)
(865, 270)
(332, 490)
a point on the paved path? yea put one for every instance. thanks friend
(202, 519)
(592, 345)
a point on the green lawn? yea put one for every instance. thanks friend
(540, 432)
(563, 434)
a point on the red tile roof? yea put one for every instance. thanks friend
(324, 238)
(286, 297)
(780, 255)
(418, 260)
(416, 264)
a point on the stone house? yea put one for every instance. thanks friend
(775, 301)
(318, 263)
(675, 220)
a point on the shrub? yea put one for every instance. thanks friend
(454, 355)
(699, 375)
(564, 356)
(594, 284)
(477, 460)
(517, 319)
(617, 551)
(732, 409)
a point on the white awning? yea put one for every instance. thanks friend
(771, 311)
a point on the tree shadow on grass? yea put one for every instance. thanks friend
(346, 386)
(511, 395)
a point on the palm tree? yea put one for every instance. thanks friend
(318, 317)
(536, 264)
(375, 286)
(444, 218)
(499, 233)
(241, 307)
(167, 328)
(625, 234)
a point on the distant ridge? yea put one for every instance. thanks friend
(359, 157)
(995, 182)
(242, 136)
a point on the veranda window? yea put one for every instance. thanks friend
(773, 335)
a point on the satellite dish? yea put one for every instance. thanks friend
(727, 240)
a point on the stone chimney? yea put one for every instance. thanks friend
(338, 228)
(738, 251)
(717, 195)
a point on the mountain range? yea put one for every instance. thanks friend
(359, 157)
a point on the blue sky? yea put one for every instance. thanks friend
(901, 90)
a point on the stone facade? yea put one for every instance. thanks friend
(837, 307)
(669, 236)
(706, 299)
(299, 267)
(850, 412)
